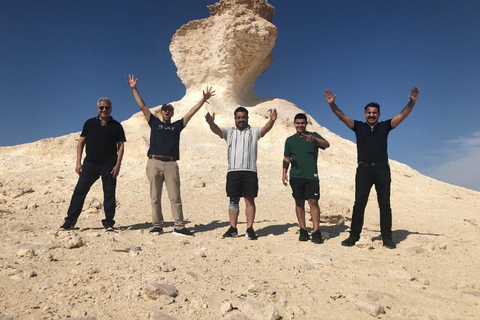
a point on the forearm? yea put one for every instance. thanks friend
(268, 126)
(192, 111)
(80, 145)
(322, 142)
(215, 129)
(285, 165)
(120, 152)
(339, 113)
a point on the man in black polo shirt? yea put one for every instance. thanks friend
(104, 138)
(373, 168)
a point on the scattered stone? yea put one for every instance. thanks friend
(157, 315)
(472, 293)
(322, 259)
(4, 212)
(26, 252)
(404, 275)
(72, 241)
(193, 275)
(155, 290)
(370, 308)
(19, 227)
(200, 185)
(256, 310)
(5, 317)
(225, 308)
(165, 300)
(165, 267)
(17, 192)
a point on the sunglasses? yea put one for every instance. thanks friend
(106, 108)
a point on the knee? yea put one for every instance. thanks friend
(234, 203)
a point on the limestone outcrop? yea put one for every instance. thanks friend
(229, 50)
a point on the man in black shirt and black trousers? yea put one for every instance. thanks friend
(373, 168)
(104, 138)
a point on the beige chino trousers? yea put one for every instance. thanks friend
(159, 172)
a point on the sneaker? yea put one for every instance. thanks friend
(250, 235)
(66, 226)
(231, 233)
(350, 241)
(388, 243)
(109, 229)
(158, 230)
(303, 235)
(182, 232)
(317, 237)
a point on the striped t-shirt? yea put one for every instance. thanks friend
(242, 148)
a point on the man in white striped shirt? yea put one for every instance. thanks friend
(242, 179)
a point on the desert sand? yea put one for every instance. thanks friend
(87, 273)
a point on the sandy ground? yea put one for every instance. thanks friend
(131, 274)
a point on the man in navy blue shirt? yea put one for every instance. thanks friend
(103, 138)
(162, 155)
(373, 168)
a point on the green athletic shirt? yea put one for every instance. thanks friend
(303, 156)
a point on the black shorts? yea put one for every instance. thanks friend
(304, 189)
(242, 184)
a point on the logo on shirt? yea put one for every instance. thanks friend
(166, 128)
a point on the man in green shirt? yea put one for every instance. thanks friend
(301, 151)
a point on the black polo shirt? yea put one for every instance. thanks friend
(372, 142)
(101, 140)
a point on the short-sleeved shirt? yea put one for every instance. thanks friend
(242, 147)
(303, 156)
(165, 137)
(101, 140)
(372, 141)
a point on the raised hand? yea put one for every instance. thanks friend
(208, 94)
(210, 117)
(132, 82)
(414, 94)
(329, 96)
(273, 114)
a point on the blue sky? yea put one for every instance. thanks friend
(59, 56)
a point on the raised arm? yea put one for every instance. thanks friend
(408, 108)
(213, 126)
(339, 113)
(269, 125)
(206, 95)
(132, 82)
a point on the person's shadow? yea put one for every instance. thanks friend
(401, 235)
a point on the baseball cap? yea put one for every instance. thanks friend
(166, 105)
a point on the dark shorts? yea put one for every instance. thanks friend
(242, 184)
(305, 188)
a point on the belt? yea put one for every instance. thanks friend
(161, 158)
(373, 164)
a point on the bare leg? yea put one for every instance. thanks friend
(315, 212)
(300, 211)
(250, 210)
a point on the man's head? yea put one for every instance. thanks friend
(300, 122)
(104, 108)
(167, 112)
(241, 118)
(372, 113)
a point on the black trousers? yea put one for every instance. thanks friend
(91, 171)
(366, 177)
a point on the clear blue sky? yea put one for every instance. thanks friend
(57, 57)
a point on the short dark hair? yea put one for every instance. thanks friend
(300, 116)
(374, 105)
(240, 109)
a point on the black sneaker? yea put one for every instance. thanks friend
(182, 232)
(350, 241)
(250, 235)
(158, 230)
(109, 229)
(231, 233)
(388, 243)
(66, 226)
(303, 235)
(317, 237)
